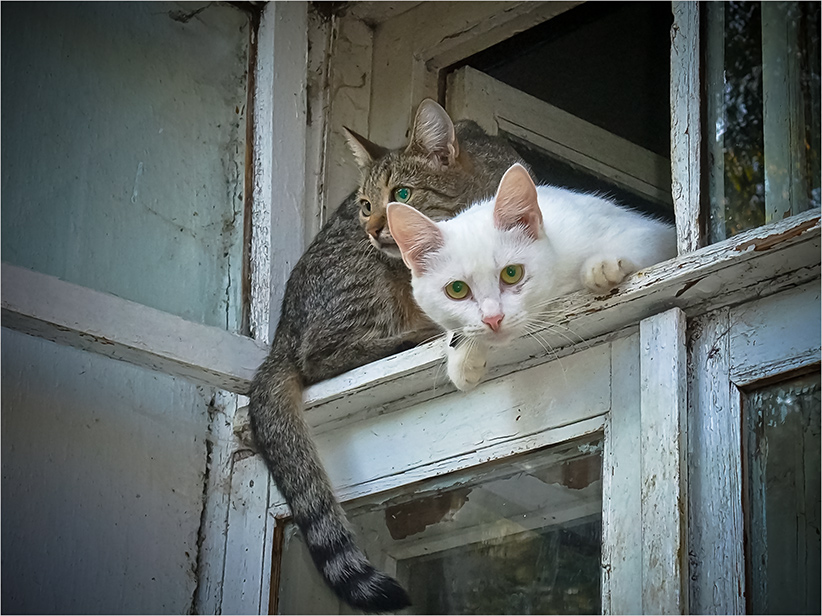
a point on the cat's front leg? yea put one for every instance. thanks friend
(600, 274)
(467, 361)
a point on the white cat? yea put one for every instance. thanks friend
(486, 274)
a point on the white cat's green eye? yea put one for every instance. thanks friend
(457, 290)
(402, 194)
(511, 274)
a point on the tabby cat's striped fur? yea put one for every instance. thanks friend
(348, 302)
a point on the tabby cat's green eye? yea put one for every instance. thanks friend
(365, 207)
(511, 274)
(457, 290)
(402, 194)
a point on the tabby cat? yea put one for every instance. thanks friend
(348, 302)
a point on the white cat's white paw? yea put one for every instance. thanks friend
(601, 274)
(467, 363)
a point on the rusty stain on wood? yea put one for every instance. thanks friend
(276, 568)
(766, 243)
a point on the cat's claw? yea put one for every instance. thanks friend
(601, 274)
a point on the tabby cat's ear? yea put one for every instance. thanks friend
(416, 235)
(365, 152)
(516, 203)
(433, 134)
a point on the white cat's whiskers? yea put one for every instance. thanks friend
(547, 302)
(553, 329)
(471, 342)
(431, 339)
(440, 369)
(556, 313)
(556, 328)
(534, 332)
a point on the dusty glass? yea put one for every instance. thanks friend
(762, 132)
(782, 497)
(522, 536)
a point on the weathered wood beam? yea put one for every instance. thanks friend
(663, 399)
(752, 264)
(66, 313)
(686, 126)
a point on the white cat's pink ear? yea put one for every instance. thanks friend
(516, 203)
(433, 134)
(416, 235)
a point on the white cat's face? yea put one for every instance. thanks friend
(484, 272)
(482, 280)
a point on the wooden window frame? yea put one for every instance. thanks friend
(499, 108)
(734, 348)
(292, 159)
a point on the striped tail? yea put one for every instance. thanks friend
(285, 441)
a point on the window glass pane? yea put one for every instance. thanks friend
(783, 498)
(762, 135)
(123, 150)
(518, 537)
(102, 483)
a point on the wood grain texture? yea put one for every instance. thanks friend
(621, 485)
(281, 99)
(716, 562)
(686, 128)
(733, 348)
(248, 542)
(663, 397)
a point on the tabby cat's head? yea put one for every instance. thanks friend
(430, 174)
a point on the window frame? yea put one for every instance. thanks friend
(499, 108)
(702, 285)
(734, 348)
(783, 119)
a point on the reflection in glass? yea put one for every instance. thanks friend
(522, 538)
(762, 67)
(782, 471)
(517, 537)
(553, 570)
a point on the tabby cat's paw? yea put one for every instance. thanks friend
(467, 364)
(601, 274)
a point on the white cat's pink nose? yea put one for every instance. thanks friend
(493, 321)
